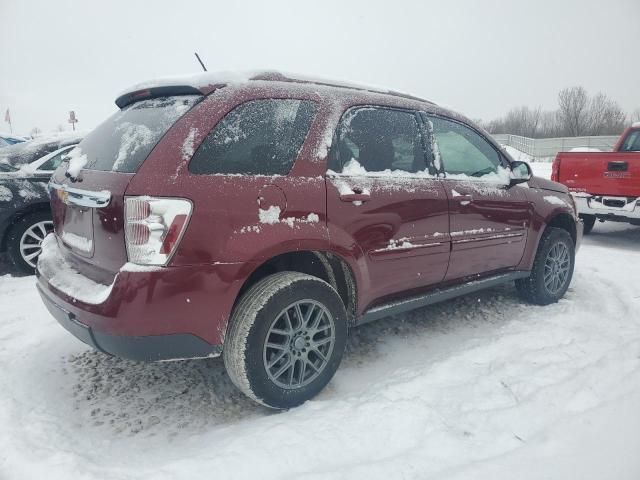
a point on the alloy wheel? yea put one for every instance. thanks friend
(556, 268)
(31, 241)
(299, 344)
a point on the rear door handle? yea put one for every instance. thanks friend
(464, 198)
(355, 197)
(356, 194)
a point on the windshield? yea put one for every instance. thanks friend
(123, 141)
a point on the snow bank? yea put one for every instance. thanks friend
(482, 387)
(585, 149)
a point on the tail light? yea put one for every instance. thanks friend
(154, 228)
(555, 170)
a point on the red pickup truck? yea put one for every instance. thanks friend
(605, 185)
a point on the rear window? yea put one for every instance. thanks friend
(260, 137)
(632, 142)
(123, 141)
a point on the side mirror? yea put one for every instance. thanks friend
(520, 173)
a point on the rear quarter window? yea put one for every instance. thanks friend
(260, 137)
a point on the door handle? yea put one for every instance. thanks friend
(355, 197)
(465, 199)
(356, 194)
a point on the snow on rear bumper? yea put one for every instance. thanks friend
(195, 301)
(604, 206)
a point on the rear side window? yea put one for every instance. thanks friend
(377, 140)
(632, 142)
(124, 140)
(260, 137)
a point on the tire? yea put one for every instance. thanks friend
(22, 241)
(259, 316)
(535, 289)
(589, 221)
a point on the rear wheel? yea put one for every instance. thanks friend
(589, 221)
(24, 243)
(552, 269)
(285, 339)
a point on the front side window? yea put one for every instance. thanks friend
(461, 151)
(372, 139)
(632, 142)
(260, 137)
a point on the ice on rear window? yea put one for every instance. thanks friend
(124, 141)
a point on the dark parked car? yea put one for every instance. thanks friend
(25, 214)
(261, 218)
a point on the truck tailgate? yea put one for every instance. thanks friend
(606, 173)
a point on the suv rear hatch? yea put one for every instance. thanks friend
(88, 202)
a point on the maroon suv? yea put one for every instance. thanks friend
(261, 217)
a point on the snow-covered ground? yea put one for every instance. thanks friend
(482, 387)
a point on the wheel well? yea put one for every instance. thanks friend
(566, 222)
(325, 265)
(27, 210)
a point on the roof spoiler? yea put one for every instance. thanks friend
(154, 92)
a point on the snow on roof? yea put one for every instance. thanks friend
(635, 124)
(201, 80)
(12, 136)
(26, 152)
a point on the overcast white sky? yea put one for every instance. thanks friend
(479, 57)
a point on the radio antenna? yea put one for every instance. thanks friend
(201, 64)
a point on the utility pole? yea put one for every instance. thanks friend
(7, 118)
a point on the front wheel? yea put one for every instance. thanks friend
(552, 269)
(285, 339)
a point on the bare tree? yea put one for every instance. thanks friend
(60, 128)
(578, 114)
(635, 116)
(35, 131)
(604, 116)
(518, 121)
(573, 113)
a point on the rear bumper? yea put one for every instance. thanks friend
(145, 314)
(605, 207)
(144, 349)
